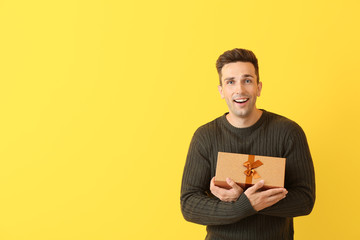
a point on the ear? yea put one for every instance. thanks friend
(221, 91)
(259, 87)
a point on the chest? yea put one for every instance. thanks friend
(264, 143)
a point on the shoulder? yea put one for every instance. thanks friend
(283, 124)
(209, 128)
(204, 136)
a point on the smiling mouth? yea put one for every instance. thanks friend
(242, 100)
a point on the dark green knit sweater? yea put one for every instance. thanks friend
(272, 135)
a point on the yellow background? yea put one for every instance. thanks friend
(99, 101)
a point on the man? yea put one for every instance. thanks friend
(253, 213)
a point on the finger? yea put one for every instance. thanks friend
(221, 193)
(212, 182)
(275, 198)
(232, 184)
(216, 189)
(256, 187)
(275, 191)
(213, 187)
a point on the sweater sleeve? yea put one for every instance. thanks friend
(196, 205)
(299, 179)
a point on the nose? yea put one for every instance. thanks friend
(239, 88)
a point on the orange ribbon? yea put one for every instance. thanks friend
(250, 172)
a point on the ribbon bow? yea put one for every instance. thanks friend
(250, 168)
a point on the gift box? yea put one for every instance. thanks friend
(247, 170)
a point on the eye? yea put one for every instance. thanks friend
(248, 81)
(230, 82)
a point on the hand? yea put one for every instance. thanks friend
(263, 199)
(226, 195)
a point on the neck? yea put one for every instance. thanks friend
(244, 122)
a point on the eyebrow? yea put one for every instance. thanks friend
(243, 76)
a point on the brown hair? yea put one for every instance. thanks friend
(237, 55)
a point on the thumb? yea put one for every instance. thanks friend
(232, 183)
(257, 186)
(212, 182)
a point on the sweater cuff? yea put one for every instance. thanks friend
(244, 206)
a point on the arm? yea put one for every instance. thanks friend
(299, 179)
(258, 199)
(196, 204)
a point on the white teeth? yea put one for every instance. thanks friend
(241, 100)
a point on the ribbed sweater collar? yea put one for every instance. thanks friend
(243, 131)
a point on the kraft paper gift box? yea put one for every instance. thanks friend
(246, 170)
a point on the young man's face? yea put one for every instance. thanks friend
(240, 88)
